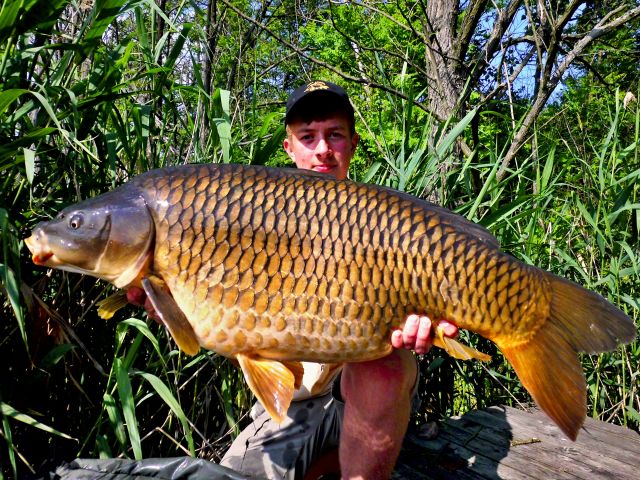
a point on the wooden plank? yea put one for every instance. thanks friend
(621, 437)
(453, 461)
(566, 462)
(535, 462)
(613, 442)
(496, 443)
(616, 430)
(508, 465)
(477, 452)
(623, 446)
(594, 452)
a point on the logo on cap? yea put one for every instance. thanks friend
(313, 86)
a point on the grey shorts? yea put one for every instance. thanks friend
(265, 449)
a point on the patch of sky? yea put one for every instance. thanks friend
(515, 63)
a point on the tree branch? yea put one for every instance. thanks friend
(601, 28)
(493, 44)
(469, 24)
(352, 41)
(248, 40)
(317, 61)
(516, 73)
(504, 19)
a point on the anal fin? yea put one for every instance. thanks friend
(272, 382)
(171, 315)
(456, 349)
(298, 372)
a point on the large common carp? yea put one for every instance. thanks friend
(272, 267)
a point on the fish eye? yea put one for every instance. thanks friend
(75, 222)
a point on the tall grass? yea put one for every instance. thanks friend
(84, 106)
(581, 224)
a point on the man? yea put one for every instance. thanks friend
(367, 411)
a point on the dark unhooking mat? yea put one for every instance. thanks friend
(181, 468)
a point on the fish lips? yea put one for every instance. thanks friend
(37, 244)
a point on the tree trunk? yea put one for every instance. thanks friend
(211, 32)
(446, 70)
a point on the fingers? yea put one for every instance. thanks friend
(408, 331)
(424, 339)
(449, 329)
(417, 333)
(396, 339)
(414, 335)
(136, 296)
(151, 312)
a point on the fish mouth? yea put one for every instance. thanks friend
(41, 259)
(40, 253)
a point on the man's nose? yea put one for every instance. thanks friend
(323, 147)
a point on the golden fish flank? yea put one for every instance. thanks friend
(277, 266)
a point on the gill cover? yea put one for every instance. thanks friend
(108, 237)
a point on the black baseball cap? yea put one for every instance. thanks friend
(317, 90)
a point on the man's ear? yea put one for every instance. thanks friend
(287, 148)
(354, 141)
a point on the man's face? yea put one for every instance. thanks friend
(325, 146)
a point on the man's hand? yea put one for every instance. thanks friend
(416, 333)
(137, 296)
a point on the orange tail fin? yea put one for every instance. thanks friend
(548, 364)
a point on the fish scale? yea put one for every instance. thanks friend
(313, 275)
(271, 267)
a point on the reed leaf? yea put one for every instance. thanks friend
(166, 395)
(10, 412)
(127, 404)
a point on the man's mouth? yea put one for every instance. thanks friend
(323, 168)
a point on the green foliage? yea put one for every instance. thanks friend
(92, 96)
(83, 106)
(576, 216)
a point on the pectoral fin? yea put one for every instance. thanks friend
(272, 382)
(457, 349)
(171, 315)
(110, 305)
